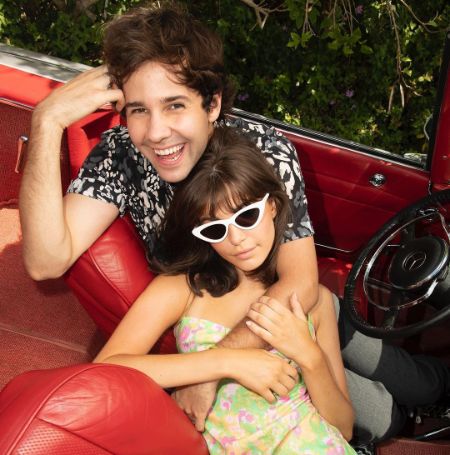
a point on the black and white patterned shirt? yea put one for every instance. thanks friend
(115, 172)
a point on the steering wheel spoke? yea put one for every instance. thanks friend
(408, 233)
(380, 285)
(390, 318)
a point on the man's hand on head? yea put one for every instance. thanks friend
(196, 401)
(79, 97)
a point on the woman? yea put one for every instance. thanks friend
(217, 255)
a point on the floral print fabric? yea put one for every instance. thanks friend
(241, 422)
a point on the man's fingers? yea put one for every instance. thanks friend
(198, 419)
(200, 422)
(292, 377)
(120, 102)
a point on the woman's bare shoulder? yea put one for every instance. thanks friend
(169, 294)
(323, 312)
(170, 284)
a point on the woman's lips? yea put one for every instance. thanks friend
(245, 254)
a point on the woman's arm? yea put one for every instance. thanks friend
(160, 306)
(174, 370)
(320, 362)
(325, 376)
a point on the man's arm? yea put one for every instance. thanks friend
(56, 231)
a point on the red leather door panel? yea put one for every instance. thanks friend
(346, 209)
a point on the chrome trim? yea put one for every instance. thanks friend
(332, 141)
(409, 304)
(333, 248)
(377, 180)
(15, 103)
(31, 62)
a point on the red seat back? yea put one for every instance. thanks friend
(93, 409)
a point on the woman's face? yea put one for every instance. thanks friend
(247, 249)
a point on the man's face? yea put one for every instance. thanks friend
(166, 120)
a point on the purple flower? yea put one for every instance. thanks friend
(243, 97)
(349, 93)
(359, 9)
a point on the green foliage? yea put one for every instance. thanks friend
(363, 70)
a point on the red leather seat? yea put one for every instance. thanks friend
(93, 409)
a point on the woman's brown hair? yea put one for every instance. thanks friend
(231, 171)
(168, 35)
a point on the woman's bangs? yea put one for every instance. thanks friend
(227, 199)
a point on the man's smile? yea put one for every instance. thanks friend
(169, 154)
(168, 151)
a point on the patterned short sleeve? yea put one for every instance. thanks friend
(103, 173)
(282, 155)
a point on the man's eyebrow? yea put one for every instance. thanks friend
(133, 104)
(166, 100)
(171, 99)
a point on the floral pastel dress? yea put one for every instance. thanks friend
(242, 422)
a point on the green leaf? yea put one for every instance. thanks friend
(366, 49)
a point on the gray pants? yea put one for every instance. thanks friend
(384, 381)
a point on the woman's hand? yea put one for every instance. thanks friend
(262, 372)
(287, 330)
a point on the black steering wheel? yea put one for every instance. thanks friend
(403, 269)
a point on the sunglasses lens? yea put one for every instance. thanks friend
(248, 218)
(214, 232)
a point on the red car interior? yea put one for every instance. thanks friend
(105, 409)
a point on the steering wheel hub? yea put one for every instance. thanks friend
(417, 262)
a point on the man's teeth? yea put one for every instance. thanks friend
(169, 151)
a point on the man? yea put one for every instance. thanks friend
(165, 74)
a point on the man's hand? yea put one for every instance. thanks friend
(196, 401)
(79, 97)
